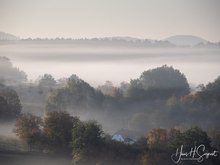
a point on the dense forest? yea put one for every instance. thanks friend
(68, 116)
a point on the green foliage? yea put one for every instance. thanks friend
(163, 143)
(90, 146)
(86, 141)
(194, 137)
(175, 138)
(27, 128)
(57, 130)
(190, 138)
(53, 134)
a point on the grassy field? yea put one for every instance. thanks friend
(14, 152)
(27, 158)
(9, 143)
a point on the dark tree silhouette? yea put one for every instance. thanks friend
(86, 141)
(10, 103)
(58, 131)
(160, 82)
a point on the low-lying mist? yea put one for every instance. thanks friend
(143, 95)
(6, 129)
(90, 62)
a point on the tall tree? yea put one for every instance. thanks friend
(27, 128)
(86, 141)
(47, 81)
(76, 95)
(162, 82)
(157, 138)
(10, 103)
(58, 131)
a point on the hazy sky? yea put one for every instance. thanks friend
(155, 19)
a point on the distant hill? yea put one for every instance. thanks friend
(185, 40)
(127, 38)
(7, 37)
(119, 41)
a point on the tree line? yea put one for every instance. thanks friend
(158, 100)
(86, 142)
(160, 97)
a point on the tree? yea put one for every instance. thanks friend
(214, 86)
(27, 128)
(215, 138)
(192, 137)
(109, 89)
(9, 103)
(157, 138)
(10, 74)
(195, 136)
(58, 131)
(189, 140)
(47, 81)
(202, 107)
(76, 95)
(4, 108)
(141, 143)
(124, 87)
(86, 141)
(175, 138)
(162, 82)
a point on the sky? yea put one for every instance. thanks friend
(154, 19)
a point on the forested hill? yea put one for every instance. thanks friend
(131, 42)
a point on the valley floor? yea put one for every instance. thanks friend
(23, 158)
